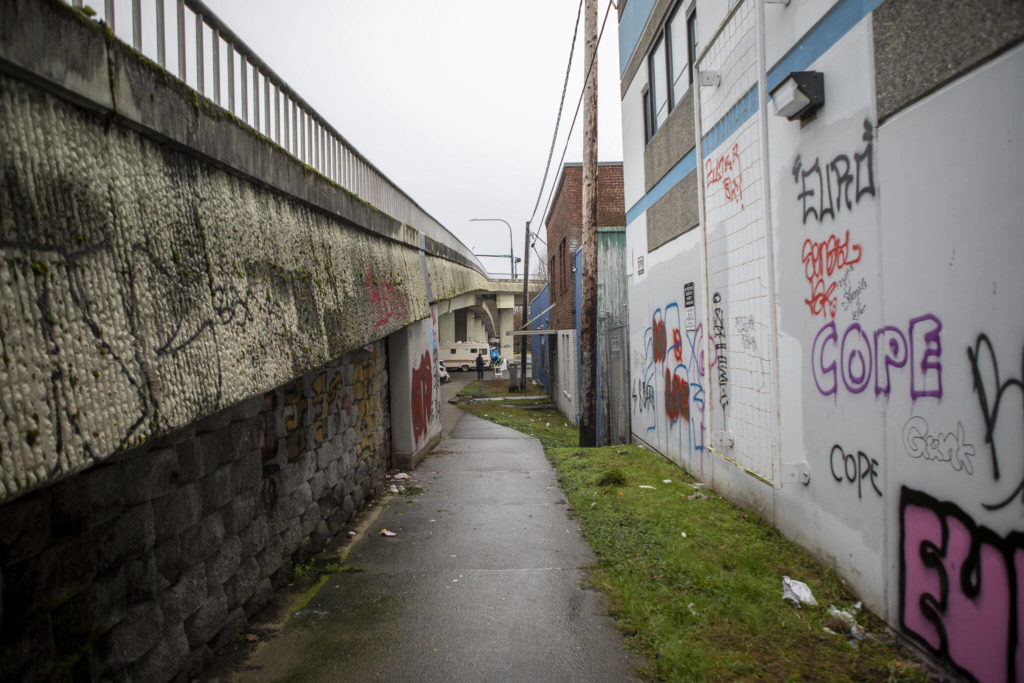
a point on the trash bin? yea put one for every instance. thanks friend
(513, 376)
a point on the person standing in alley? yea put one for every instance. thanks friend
(479, 366)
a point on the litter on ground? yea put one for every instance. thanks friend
(645, 486)
(385, 532)
(796, 592)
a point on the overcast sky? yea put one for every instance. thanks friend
(455, 100)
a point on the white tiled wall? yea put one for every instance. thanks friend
(737, 257)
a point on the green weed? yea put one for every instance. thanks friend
(697, 581)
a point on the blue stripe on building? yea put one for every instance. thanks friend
(819, 40)
(631, 27)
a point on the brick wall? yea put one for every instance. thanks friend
(565, 235)
(140, 567)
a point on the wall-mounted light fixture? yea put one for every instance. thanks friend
(710, 79)
(799, 94)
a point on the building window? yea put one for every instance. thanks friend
(691, 40)
(554, 275)
(678, 54)
(562, 266)
(669, 68)
(659, 81)
(648, 128)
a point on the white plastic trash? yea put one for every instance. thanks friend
(796, 592)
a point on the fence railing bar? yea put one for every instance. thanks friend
(266, 102)
(200, 62)
(216, 67)
(310, 138)
(137, 24)
(295, 127)
(180, 14)
(231, 78)
(245, 86)
(161, 33)
(257, 101)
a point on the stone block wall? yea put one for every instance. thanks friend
(142, 566)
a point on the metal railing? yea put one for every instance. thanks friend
(218, 64)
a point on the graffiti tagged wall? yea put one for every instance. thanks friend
(668, 365)
(912, 357)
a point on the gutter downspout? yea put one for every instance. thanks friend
(769, 235)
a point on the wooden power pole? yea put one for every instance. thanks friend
(526, 306)
(588, 295)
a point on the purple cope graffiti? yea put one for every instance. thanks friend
(859, 359)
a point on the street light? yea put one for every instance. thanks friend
(511, 253)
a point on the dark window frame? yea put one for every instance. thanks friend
(691, 40)
(645, 95)
(650, 91)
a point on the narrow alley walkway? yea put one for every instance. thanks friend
(484, 580)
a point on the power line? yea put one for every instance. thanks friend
(575, 116)
(558, 119)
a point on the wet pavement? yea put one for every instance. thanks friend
(484, 580)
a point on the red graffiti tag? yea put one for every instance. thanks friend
(421, 397)
(677, 345)
(386, 300)
(660, 340)
(677, 397)
(822, 260)
(729, 171)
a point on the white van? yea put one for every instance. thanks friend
(462, 355)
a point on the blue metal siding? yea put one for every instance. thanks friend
(539, 344)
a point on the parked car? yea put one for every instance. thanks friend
(443, 371)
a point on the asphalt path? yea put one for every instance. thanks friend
(484, 581)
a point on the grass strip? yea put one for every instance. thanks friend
(707, 605)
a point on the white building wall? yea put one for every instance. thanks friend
(633, 140)
(742, 413)
(893, 446)
(828, 275)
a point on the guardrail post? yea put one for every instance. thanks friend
(161, 38)
(137, 24)
(200, 62)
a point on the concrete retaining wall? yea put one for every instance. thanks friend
(143, 565)
(159, 260)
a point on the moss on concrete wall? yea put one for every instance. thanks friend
(142, 288)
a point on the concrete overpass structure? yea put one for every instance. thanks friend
(484, 315)
(218, 330)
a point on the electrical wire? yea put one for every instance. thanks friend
(561, 104)
(575, 116)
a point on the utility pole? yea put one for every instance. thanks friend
(588, 295)
(526, 306)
